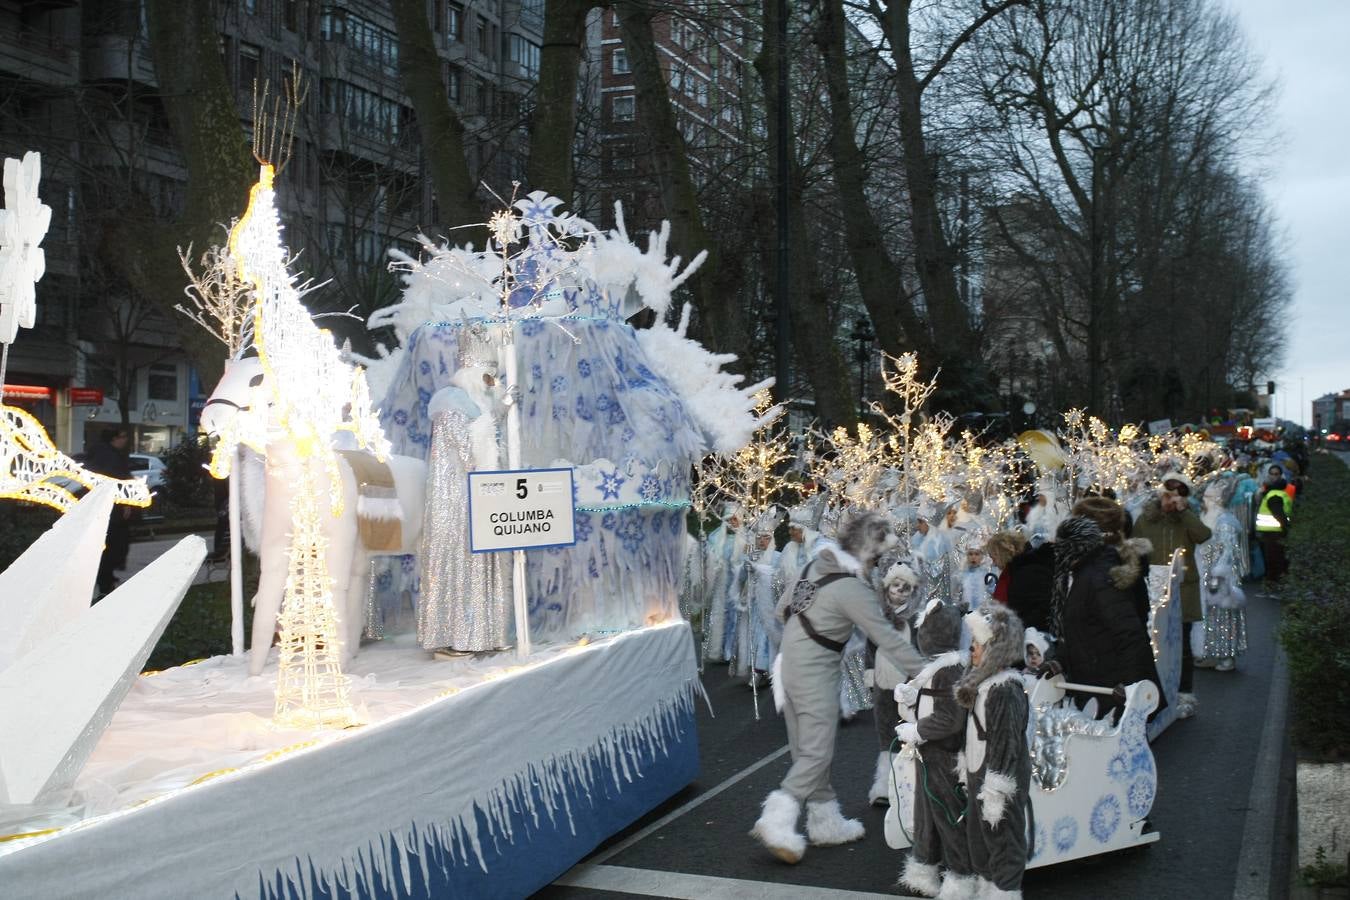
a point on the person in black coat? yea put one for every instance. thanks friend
(110, 458)
(1102, 638)
(1030, 582)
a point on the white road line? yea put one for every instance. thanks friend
(669, 817)
(684, 886)
(1258, 837)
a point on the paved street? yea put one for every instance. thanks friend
(1207, 768)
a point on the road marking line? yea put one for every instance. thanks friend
(685, 886)
(1258, 837)
(688, 807)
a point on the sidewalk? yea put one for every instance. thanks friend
(142, 553)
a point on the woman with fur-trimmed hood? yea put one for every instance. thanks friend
(997, 769)
(936, 725)
(1100, 610)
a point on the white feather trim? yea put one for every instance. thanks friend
(380, 509)
(994, 794)
(776, 679)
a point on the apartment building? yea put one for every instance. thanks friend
(78, 83)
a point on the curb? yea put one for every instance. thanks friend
(1266, 817)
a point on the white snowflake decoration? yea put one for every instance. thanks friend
(23, 224)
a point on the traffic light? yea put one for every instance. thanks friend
(1270, 387)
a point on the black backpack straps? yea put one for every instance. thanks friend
(835, 646)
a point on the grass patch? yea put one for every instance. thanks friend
(1315, 619)
(201, 627)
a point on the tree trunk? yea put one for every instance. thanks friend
(204, 119)
(897, 325)
(812, 337)
(714, 287)
(934, 261)
(553, 123)
(442, 132)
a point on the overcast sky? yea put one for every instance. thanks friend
(1305, 45)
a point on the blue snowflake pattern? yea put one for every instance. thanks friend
(645, 372)
(584, 368)
(584, 411)
(559, 384)
(536, 371)
(1141, 763)
(630, 531)
(675, 523)
(401, 417)
(650, 489)
(615, 415)
(1132, 730)
(581, 527)
(384, 580)
(1140, 796)
(658, 519)
(407, 563)
(423, 398)
(559, 412)
(1066, 834)
(608, 521)
(531, 327)
(604, 402)
(610, 484)
(1039, 839)
(619, 364)
(1105, 818)
(629, 435)
(424, 367)
(1118, 769)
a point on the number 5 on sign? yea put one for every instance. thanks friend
(520, 509)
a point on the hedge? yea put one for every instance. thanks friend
(1315, 625)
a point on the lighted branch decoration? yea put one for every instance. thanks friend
(1099, 458)
(753, 477)
(219, 300)
(900, 377)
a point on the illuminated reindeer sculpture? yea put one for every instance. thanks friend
(291, 403)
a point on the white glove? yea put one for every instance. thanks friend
(908, 733)
(906, 694)
(993, 797)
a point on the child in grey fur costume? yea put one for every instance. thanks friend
(829, 601)
(997, 761)
(936, 725)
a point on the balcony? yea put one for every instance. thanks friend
(116, 57)
(38, 56)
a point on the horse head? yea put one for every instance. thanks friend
(238, 408)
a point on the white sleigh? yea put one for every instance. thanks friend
(1097, 803)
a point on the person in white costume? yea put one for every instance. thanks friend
(830, 600)
(1046, 512)
(1222, 567)
(754, 595)
(724, 549)
(796, 553)
(900, 588)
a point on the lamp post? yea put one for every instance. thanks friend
(862, 334)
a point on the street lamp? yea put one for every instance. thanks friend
(862, 334)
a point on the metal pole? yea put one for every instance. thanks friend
(783, 324)
(236, 560)
(513, 461)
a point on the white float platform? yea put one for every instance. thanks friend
(472, 778)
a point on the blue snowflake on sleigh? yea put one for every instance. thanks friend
(1066, 833)
(1105, 818)
(630, 532)
(1140, 797)
(650, 490)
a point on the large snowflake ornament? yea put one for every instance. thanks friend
(23, 224)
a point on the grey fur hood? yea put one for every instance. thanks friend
(1132, 553)
(1005, 648)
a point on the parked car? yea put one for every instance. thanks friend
(151, 468)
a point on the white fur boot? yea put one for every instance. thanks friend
(879, 795)
(990, 891)
(776, 827)
(921, 878)
(961, 887)
(826, 825)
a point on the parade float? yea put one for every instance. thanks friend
(331, 766)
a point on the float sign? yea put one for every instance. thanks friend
(520, 509)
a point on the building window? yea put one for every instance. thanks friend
(161, 382)
(619, 63)
(677, 77)
(484, 97)
(524, 53)
(454, 22)
(454, 79)
(250, 58)
(251, 7)
(437, 16)
(623, 109)
(483, 46)
(291, 14)
(332, 24)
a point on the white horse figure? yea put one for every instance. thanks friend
(240, 406)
